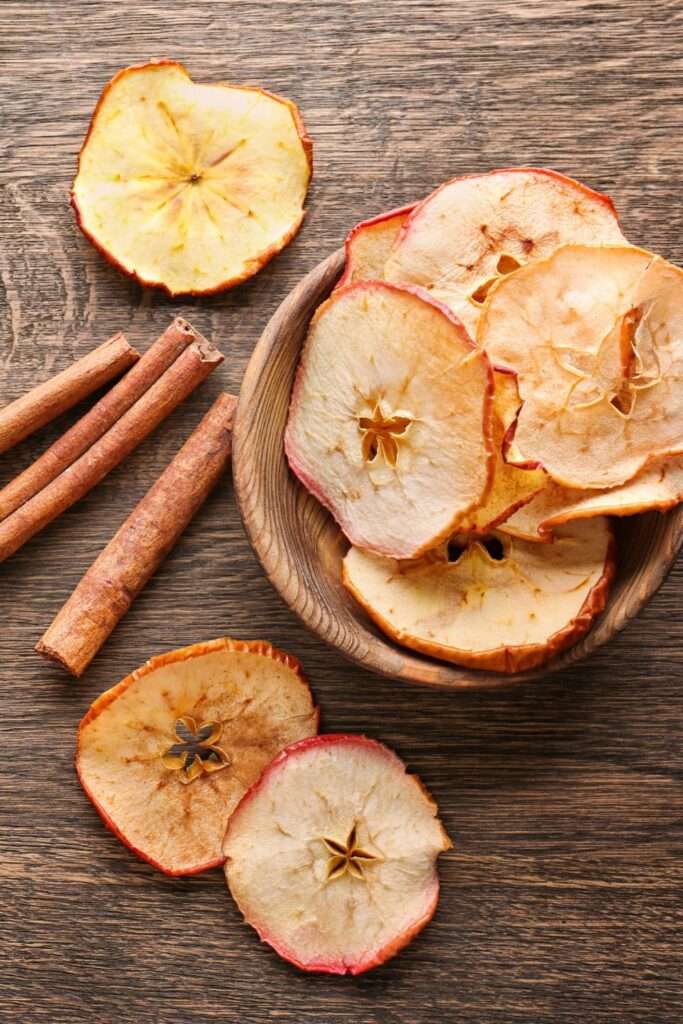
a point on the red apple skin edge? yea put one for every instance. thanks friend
(515, 659)
(421, 293)
(102, 703)
(392, 948)
(265, 257)
(507, 441)
(144, 857)
(110, 695)
(400, 211)
(510, 432)
(557, 175)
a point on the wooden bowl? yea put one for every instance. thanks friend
(301, 547)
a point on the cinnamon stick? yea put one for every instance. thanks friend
(99, 419)
(48, 400)
(131, 558)
(182, 377)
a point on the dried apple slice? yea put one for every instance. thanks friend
(595, 336)
(389, 425)
(368, 245)
(189, 187)
(513, 486)
(501, 603)
(167, 754)
(659, 486)
(472, 231)
(525, 522)
(331, 856)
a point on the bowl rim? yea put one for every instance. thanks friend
(378, 652)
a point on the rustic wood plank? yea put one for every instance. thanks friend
(562, 899)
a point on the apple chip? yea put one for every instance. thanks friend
(497, 603)
(595, 336)
(472, 231)
(659, 486)
(389, 425)
(331, 856)
(189, 187)
(512, 486)
(368, 245)
(167, 754)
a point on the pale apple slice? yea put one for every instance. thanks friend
(331, 856)
(189, 187)
(472, 231)
(499, 603)
(513, 486)
(389, 425)
(595, 336)
(658, 487)
(368, 245)
(167, 754)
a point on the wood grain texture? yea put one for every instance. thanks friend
(561, 902)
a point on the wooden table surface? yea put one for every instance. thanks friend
(561, 901)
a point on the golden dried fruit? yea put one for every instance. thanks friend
(496, 603)
(167, 754)
(512, 486)
(595, 336)
(660, 487)
(190, 187)
(368, 245)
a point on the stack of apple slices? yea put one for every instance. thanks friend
(497, 372)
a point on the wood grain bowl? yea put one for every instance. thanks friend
(301, 547)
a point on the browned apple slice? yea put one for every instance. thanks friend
(660, 487)
(368, 245)
(389, 425)
(513, 486)
(595, 336)
(331, 856)
(190, 187)
(167, 754)
(472, 231)
(498, 603)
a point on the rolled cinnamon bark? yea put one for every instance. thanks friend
(99, 419)
(48, 400)
(136, 551)
(182, 377)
